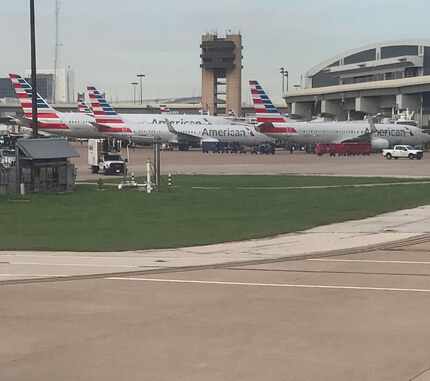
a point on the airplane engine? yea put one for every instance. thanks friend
(379, 144)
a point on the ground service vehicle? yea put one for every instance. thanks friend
(403, 151)
(102, 161)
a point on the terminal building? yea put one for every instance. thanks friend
(387, 78)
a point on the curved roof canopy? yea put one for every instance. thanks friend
(332, 61)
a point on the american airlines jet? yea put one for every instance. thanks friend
(113, 124)
(72, 124)
(169, 128)
(381, 135)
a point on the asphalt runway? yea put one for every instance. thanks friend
(361, 316)
(299, 163)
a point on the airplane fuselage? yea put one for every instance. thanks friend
(79, 126)
(70, 124)
(146, 128)
(338, 132)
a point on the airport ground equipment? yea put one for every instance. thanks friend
(403, 151)
(131, 182)
(7, 157)
(343, 149)
(101, 160)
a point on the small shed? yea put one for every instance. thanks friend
(43, 165)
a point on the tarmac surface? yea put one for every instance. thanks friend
(306, 306)
(361, 316)
(299, 163)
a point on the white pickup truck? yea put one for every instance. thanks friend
(403, 151)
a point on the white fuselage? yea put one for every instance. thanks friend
(80, 125)
(145, 128)
(73, 124)
(145, 132)
(339, 132)
(226, 133)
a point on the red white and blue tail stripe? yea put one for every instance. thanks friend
(84, 109)
(107, 119)
(48, 117)
(264, 108)
(268, 116)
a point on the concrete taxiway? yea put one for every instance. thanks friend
(299, 163)
(357, 316)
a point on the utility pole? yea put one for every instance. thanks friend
(141, 76)
(157, 163)
(33, 69)
(134, 84)
(57, 48)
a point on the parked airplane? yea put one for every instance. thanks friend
(123, 126)
(178, 129)
(272, 123)
(72, 124)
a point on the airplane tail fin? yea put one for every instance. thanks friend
(107, 119)
(84, 109)
(48, 117)
(265, 110)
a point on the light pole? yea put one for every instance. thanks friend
(141, 76)
(134, 84)
(284, 74)
(33, 70)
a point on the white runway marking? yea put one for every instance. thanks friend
(207, 188)
(64, 256)
(31, 275)
(69, 264)
(365, 185)
(330, 287)
(369, 261)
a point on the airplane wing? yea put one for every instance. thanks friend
(114, 130)
(366, 136)
(183, 136)
(358, 139)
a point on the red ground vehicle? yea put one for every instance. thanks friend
(344, 149)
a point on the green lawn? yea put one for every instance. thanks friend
(94, 220)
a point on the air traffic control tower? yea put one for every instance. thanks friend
(221, 72)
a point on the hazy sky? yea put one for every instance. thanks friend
(108, 41)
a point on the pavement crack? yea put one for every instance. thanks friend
(420, 374)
